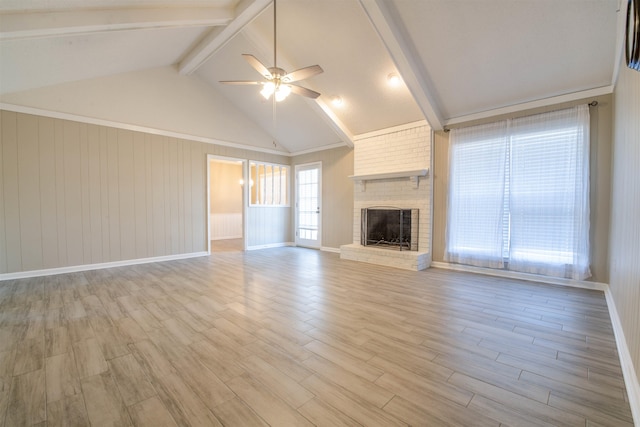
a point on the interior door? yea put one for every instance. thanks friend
(308, 205)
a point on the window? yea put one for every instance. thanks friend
(519, 194)
(269, 184)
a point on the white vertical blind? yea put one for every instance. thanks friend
(474, 232)
(522, 196)
(549, 196)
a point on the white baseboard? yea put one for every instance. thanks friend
(238, 236)
(329, 249)
(628, 371)
(269, 246)
(584, 284)
(85, 267)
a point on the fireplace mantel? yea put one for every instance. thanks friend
(413, 175)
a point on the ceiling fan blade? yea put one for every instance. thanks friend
(240, 82)
(299, 90)
(259, 67)
(302, 73)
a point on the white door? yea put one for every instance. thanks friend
(308, 205)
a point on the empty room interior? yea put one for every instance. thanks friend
(329, 213)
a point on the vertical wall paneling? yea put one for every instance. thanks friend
(166, 195)
(104, 194)
(198, 195)
(157, 182)
(172, 160)
(149, 191)
(114, 194)
(140, 195)
(180, 200)
(126, 195)
(94, 194)
(3, 240)
(3, 222)
(11, 192)
(624, 242)
(73, 193)
(85, 193)
(29, 192)
(48, 199)
(187, 199)
(60, 192)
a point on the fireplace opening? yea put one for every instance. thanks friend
(390, 228)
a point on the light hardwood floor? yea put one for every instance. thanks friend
(289, 336)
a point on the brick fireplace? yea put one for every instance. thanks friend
(391, 168)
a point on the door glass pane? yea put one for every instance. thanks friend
(308, 204)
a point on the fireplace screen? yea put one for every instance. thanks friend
(390, 228)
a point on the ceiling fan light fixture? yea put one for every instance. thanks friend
(279, 82)
(282, 91)
(267, 90)
(336, 100)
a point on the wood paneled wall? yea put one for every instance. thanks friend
(625, 210)
(75, 193)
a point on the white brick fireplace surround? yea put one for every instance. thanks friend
(392, 168)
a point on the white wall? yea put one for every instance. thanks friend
(394, 150)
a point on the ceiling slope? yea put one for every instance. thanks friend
(155, 100)
(459, 60)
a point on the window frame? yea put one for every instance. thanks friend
(546, 256)
(259, 193)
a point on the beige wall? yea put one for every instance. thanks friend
(74, 193)
(601, 130)
(337, 194)
(226, 191)
(624, 256)
(77, 194)
(265, 225)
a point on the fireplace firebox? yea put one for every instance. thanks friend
(389, 228)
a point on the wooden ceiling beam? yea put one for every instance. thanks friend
(388, 25)
(245, 12)
(25, 25)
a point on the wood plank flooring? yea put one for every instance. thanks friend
(296, 337)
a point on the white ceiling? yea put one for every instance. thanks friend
(459, 59)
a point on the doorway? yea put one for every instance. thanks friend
(226, 196)
(309, 205)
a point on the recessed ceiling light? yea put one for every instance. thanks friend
(394, 79)
(336, 100)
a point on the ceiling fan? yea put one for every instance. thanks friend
(278, 82)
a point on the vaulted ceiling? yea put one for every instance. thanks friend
(156, 64)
